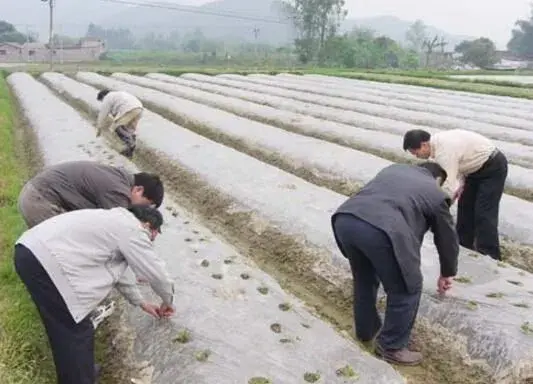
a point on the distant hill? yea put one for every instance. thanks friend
(73, 17)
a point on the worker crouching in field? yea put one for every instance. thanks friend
(71, 262)
(77, 185)
(380, 231)
(477, 171)
(126, 111)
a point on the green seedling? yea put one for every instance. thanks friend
(245, 276)
(347, 372)
(195, 232)
(175, 213)
(217, 276)
(495, 295)
(526, 328)
(501, 264)
(203, 355)
(463, 279)
(285, 341)
(228, 261)
(518, 283)
(259, 380)
(472, 305)
(306, 325)
(276, 328)
(521, 305)
(188, 239)
(311, 377)
(474, 255)
(184, 336)
(284, 307)
(204, 263)
(263, 290)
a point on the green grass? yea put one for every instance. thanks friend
(24, 352)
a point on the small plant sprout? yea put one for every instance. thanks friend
(263, 290)
(311, 377)
(474, 255)
(183, 337)
(202, 355)
(521, 305)
(204, 263)
(472, 305)
(217, 276)
(259, 380)
(245, 276)
(228, 261)
(527, 328)
(495, 295)
(284, 307)
(502, 264)
(514, 282)
(276, 328)
(463, 279)
(347, 372)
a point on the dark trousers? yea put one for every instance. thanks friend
(129, 138)
(479, 205)
(372, 261)
(72, 344)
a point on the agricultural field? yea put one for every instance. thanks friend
(255, 166)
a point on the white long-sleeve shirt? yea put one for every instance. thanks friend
(116, 104)
(460, 153)
(87, 252)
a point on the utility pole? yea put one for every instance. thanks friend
(51, 33)
(256, 36)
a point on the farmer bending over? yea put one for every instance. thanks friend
(82, 185)
(126, 111)
(380, 231)
(71, 262)
(476, 175)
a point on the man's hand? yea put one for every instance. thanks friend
(151, 309)
(444, 284)
(166, 310)
(458, 193)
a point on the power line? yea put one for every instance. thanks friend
(232, 15)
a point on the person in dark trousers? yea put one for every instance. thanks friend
(70, 263)
(76, 185)
(477, 171)
(380, 231)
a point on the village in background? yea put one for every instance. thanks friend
(377, 43)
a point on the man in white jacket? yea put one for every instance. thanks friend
(126, 111)
(70, 263)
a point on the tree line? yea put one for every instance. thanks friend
(318, 41)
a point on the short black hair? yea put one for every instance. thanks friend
(153, 187)
(103, 93)
(414, 138)
(147, 214)
(435, 169)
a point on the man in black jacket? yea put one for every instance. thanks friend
(380, 231)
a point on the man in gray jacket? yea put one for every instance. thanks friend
(380, 230)
(76, 185)
(71, 262)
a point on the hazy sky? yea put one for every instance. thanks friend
(491, 18)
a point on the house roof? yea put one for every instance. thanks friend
(15, 45)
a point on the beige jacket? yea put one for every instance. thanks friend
(116, 104)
